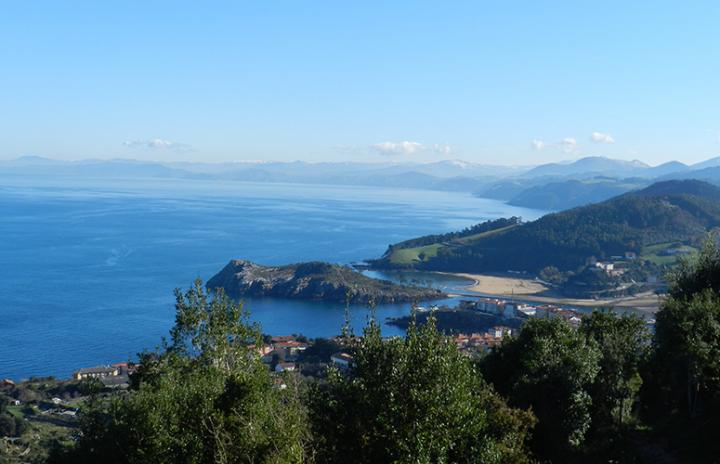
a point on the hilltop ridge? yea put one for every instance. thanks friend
(663, 220)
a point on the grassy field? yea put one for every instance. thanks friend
(15, 411)
(412, 255)
(654, 253)
(472, 238)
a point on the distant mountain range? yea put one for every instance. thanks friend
(552, 186)
(589, 166)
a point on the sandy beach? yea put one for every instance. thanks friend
(532, 290)
(495, 285)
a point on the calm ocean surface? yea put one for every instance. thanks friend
(87, 268)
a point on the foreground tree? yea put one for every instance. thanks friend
(684, 391)
(414, 399)
(205, 398)
(624, 347)
(551, 368)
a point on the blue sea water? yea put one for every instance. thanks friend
(88, 267)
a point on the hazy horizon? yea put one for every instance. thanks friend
(373, 82)
(388, 162)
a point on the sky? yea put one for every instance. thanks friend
(490, 82)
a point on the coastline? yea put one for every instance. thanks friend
(531, 290)
(500, 285)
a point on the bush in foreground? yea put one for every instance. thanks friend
(414, 399)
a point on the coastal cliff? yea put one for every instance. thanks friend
(313, 281)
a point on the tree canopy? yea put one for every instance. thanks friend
(414, 399)
(550, 368)
(205, 398)
(684, 393)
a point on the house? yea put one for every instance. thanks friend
(574, 321)
(496, 307)
(546, 311)
(96, 372)
(290, 348)
(262, 350)
(285, 367)
(119, 382)
(282, 338)
(342, 360)
(480, 342)
(630, 255)
(7, 383)
(123, 366)
(13, 402)
(524, 311)
(125, 369)
(500, 331)
(607, 267)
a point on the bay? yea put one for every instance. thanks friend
(88, 266)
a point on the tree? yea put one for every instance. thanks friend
(7, 425)
(551, 368)
(552, 275)
(684, 391)
(205, 398)
(688, 343)
(414, 399)
(624, 346)
(695, 275)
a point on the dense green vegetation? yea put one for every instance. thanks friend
(683, 397)
(205, 397)
(605, 392)
(448, 320)
(673, 211)
(550, 368)
(414, 399)
(656, 225)
(477, 229)
(31, 429)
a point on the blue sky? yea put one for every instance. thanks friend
(494, 82)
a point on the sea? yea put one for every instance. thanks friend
(88, 266)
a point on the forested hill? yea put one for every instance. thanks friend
(671, 213)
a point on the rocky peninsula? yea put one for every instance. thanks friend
(314, 281)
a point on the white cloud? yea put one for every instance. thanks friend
(157, 144)
(599, 137)
(537, 144)
(569, 145)
(443, 149)
(398, 148)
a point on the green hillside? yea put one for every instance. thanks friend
(673, 215)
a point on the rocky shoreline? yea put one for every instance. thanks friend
(314, 281)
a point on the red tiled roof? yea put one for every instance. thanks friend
(290, 344)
